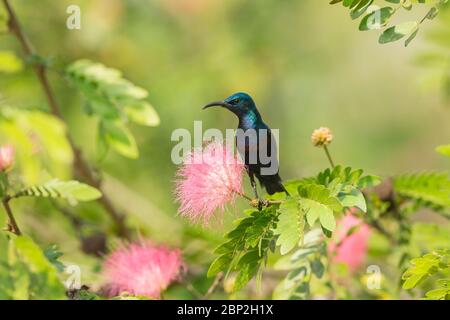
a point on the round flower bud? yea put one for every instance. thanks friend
(321, 137)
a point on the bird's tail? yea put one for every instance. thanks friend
(275, 186)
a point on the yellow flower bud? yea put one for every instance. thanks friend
(321, 137)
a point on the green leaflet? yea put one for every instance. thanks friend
(443, 293)
(399, 31)
(291, 223)
(377, 19)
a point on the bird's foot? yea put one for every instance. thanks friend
(258, 203)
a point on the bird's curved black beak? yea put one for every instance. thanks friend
(218, 104)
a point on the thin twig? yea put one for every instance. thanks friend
(12, 224)
(217, 280)
(80, 165)
(197, 295)
(328, 155)
(256, 202)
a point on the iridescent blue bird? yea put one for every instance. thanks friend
(243, 106)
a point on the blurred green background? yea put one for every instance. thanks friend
(304, 62)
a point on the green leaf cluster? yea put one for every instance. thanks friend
(377, 16)
(426, 266)
(115, 101)
(247, 246)
(441, 293)
(283, 223)
(430, 189)
(320, 199)
(301, 265)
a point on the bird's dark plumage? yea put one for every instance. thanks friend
(243, 106)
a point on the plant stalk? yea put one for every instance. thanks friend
(328, 156)
(12, 224)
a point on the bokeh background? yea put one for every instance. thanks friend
(304, 62)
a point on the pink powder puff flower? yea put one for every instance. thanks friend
(350, 249)
(6, 157)
(209, 179)
(142, 269)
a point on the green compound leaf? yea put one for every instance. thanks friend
(247, 247)
(115, 101)
(430, 189)
(425, 266)
(71, 190)
(290, 226)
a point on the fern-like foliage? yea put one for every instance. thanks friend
(301, 265)
(431, 189)
(247, 247)
(426, 266)
(378, 14)
(441, 293)
(282, 224)
(115, 101)
(319, 199)
(71, 190)
(291, 224)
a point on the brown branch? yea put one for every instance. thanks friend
(12, 224)
(197, 295)
(81, 167)
(217, 280)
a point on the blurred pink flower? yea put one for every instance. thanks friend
(208, 180)
(6, 157)
(350, 249)
(142, 269)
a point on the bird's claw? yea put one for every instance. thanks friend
(258, 203)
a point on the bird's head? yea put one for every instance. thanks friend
(239, 103)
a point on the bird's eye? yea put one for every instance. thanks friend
(237, 100)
